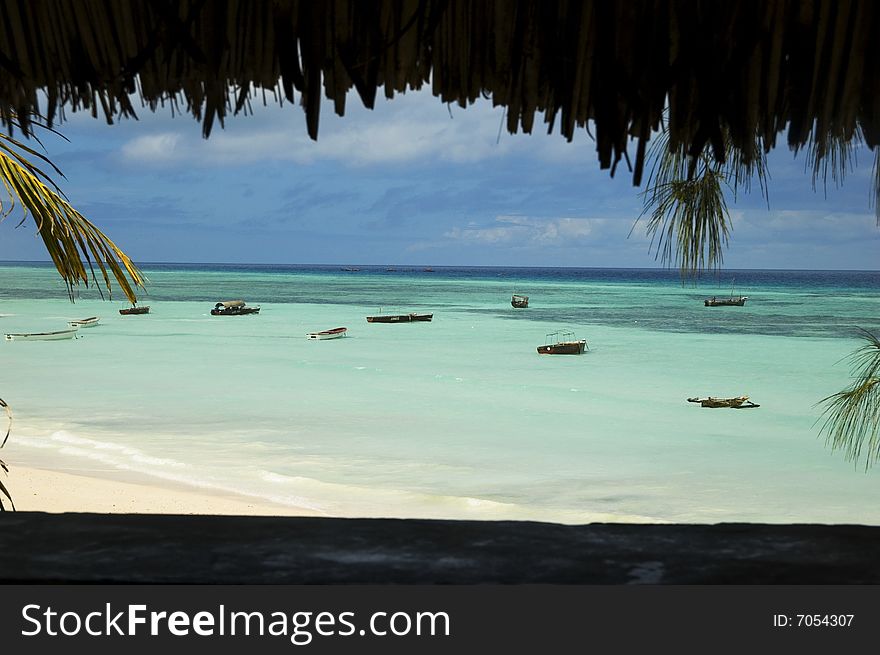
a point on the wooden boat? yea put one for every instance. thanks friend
(92, 321)
(233, 308)
(520, 302)
(335, 333)
(565, 344)
(733, 301)
(43, 336)
(399, 318)
(740, 402)
(135, 310)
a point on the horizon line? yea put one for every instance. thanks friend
(486, 266)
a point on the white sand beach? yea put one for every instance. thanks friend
(41, 490)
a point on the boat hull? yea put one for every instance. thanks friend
(235, 311)
(519, 302)
(43, 336)
(563, 348)
(84, 323)
(335, 333)
(403, 318)
(134, 310)
(725, 302)
(740, 402)
(400, 318)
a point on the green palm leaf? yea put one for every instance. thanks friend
(71, 240)
(852, 416)
(3, 466)
(689, 221)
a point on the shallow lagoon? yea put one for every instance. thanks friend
(459, 417)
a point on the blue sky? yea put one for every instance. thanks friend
(412, 182)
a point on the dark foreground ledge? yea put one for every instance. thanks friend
(101, 548)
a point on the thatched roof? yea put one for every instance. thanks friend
(726, 69)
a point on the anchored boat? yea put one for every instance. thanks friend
(335, 333)
(564, 344)
(740, 402)
(233, 308)
(399, 318)
(91, 321)
(135, 310)
(42, 336)
(520, 302)
(733, 301)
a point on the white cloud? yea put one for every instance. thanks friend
(152, 148)
(530, 231)
(414, 127)
(798, 226)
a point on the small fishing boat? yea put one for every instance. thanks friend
(518, 301)
(233, 308)
(733, 301)
(135, 310)
(740, 402)
(42, 336)
(564, 344)
(91, 321)
(399, 318)
(335, 333)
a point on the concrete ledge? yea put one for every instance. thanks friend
(111, 548)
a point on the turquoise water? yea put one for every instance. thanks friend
(459, 417)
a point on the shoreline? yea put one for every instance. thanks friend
(43, 490)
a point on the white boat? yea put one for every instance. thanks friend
(92, 321)
(42, 336)
(335, 333)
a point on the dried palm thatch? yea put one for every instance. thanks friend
(728, 71)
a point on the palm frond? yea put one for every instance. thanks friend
(689, 222)
(8, 410)
(741, 168)
(3, 466)
(851, 418)
(874, 201)
(5, 492)
(835, 153)
(68, 236)
(684, 198)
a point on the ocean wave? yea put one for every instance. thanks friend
(354, 501)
